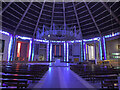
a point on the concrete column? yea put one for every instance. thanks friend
(51, 51)
(48, 50)
(102, 48)
(12, 55)
(32, 50)
(95, 52)
(82, 51)
(84, 44)
(65, 51)
(87, 56)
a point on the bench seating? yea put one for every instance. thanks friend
(97, 73)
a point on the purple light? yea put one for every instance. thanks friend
(92, 39)
(112, 35)
(33, 53)
(38, 40)
(50, 51)
(24, 38)
(58, 41)
(100, 47)
(64, 50)
(67, 51)
(47, 50)
(9, 48)
(30, 49)
(104, 46)
(84, 50)
(81, 53)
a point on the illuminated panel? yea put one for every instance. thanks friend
(24, 38)
(27, 50)
(38, 40)
(50, 51)
(84, 51)
(64, 50)
(92, 39)
(100, 47)
(13, 48)
(92, 51)
(67, 51)
(18, 49)
(104, 46)
(81, 53)
(58, 41)
(33, 53)
(86, 48)
(3, 32)
(115, 53)
(112, 35)
(55, 50)
(59, 50)
(47, 51)
(9, 49)
(30, 49)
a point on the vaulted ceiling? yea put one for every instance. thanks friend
(91, 18)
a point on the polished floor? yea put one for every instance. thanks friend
(59, 75)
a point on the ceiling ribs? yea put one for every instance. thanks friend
(22, 17)
(92, 17)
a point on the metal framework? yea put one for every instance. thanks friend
(22, 17)
(64, 15)
(38, 19)
(52, 13)
(6, 7)
(92, 17)
(77, 19)
(111, 12)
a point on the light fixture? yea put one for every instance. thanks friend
(30, 44)
(9, 48)
(67, 52)
(50, 51)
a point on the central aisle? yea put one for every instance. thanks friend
(62, 77)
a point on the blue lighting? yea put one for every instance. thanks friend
(3, 32)
(92, 39)
(67, 64)
(84, 50)
(100, 48)
(49, 69)
(67, 52)
(24, 38)
(30, 49)
(104, 46)
(38, 40)
(50, 51)
(112, 35)
(70, 41)
(9, 49)
(81, 53)
(78, 40)
(47, 51)
(12, 55)
(64, 50)
(58, 41)
(50, 64)
(33, 53)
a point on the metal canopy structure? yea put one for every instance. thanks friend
(91, 18)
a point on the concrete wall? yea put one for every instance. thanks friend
(6, 45)
(112, 47)
(76, 51)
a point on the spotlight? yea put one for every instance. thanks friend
(48, 35)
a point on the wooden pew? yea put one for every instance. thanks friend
(18, 83)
